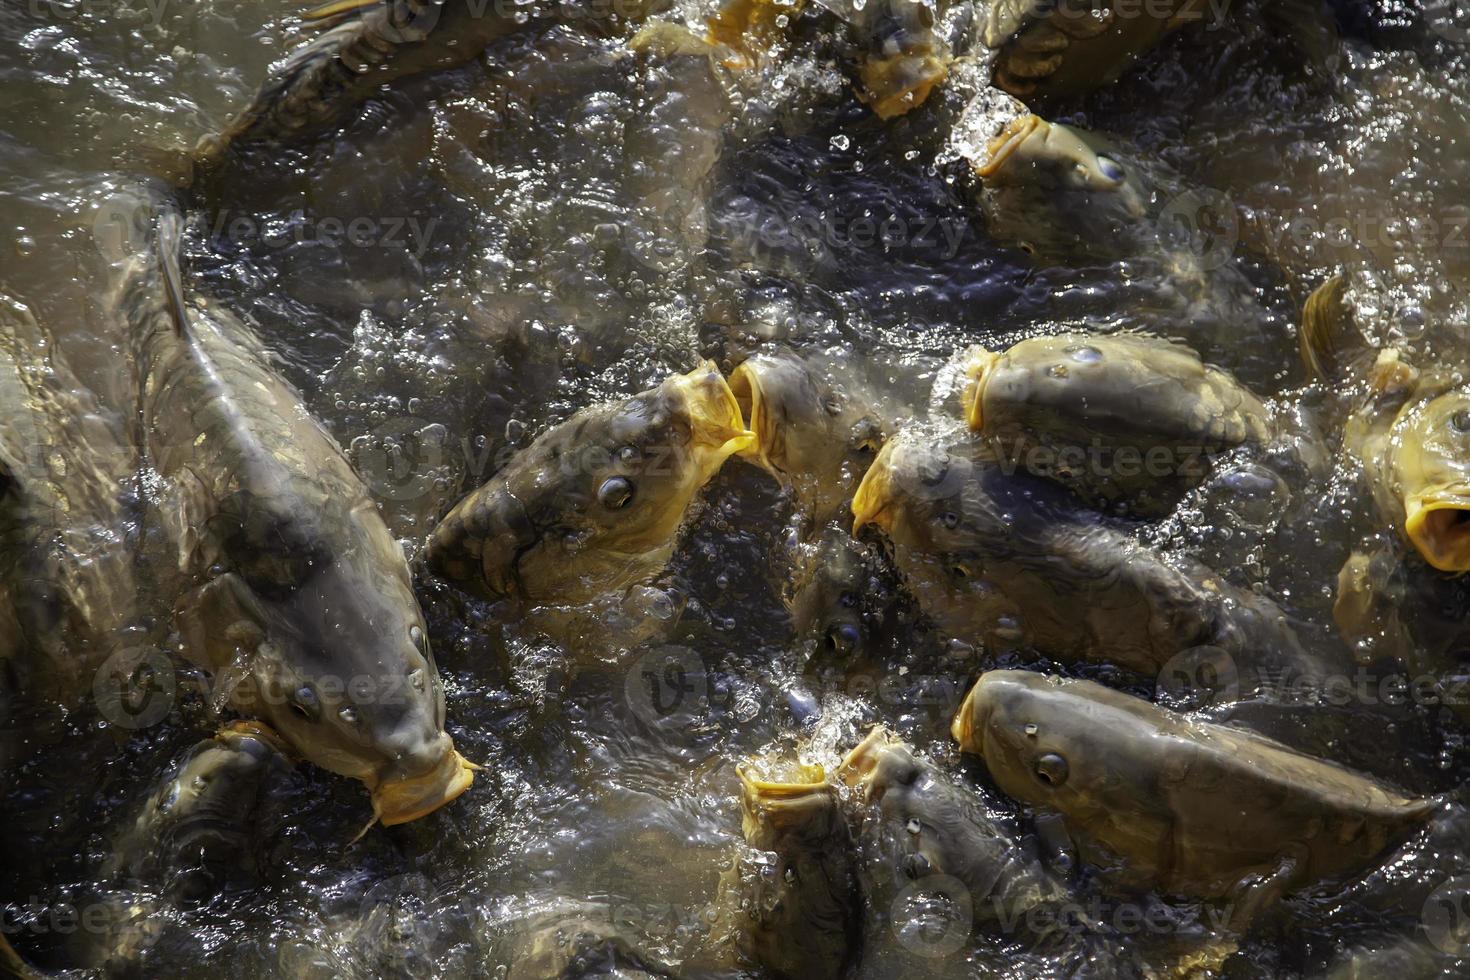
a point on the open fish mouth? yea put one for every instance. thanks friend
(1000, 149)
(748, 382)
(858, 766)
(1439, 528)
(903, 82)
(968, 727)
(979, 363)
(870, 505)
(782, 796)
(718, 428)
(403, 800)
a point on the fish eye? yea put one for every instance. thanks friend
(615, 492)
(843, 639)
(1461, 420)
(304, 702)
(629, 454)
(1051, 769)
(948, 519)
(1111, 169)
(959, 572)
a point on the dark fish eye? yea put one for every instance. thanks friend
(1461, 420)
(843, 639)
(1051, 769)
(304, 702)
(1110, 169)
(615, 492)
(948, 519)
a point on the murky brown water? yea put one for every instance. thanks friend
(513, 263)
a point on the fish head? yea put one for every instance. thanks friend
(1059, 191)
(1034, 733)
(902, 58)
(834, 598)
(1430, 447)
(340, 664)
(598, 500)
(814, 433)
(785, 801)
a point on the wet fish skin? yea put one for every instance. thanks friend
(364, 46)
(835, 609)
(1015, 561)
(901, 57)
(1192, 808)
(575, 940)
(926, 824)
(801, 916)
(816, 424)
(298, 597)
(1124, 418)
(593, 505)
(203, 827)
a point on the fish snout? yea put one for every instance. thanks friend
(979, 365)
(856, 770)
(425, 774)
(968, 727)
(717, 425)
(1439, 528)
(870, 505)
(1004, 146)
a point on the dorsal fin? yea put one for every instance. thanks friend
(169, 245)
(1329, 339)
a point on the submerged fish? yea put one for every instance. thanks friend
(1192, 808)
(206, 826)
(922, 824)
(1118, 419)
(575, 940)
(1063, 194)
(593, 506)
(800, 903)
(837, 601)
(1061, 48)
(1015, 561)
(298, 599)
(816, 429)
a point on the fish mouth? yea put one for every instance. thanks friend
(408, 798)
(968, 726)
(1439, 528)
(754, 400)
(979, 364)
(894, 86)
(858, 766)
(1001, 148)
(718, 427)
(870, 503)
(782, 796)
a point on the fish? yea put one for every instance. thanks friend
(593, 505)
(1064, 195)
(901, 57)
(816, 425)
(1194, 809)
(365, 45)
(800, 901)
(205, 827)
(575, 940)
(1120, 419)
(1047, 49)
(296, 597)
(837, 600)
(1017, 561)
(925, 824)
(1407, 428)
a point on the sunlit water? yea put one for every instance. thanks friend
(517, 263)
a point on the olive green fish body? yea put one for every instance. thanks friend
(300, 596)
(1121, 418)
(1191, 807)
(593, 505)
(1015, 561)
(800, 906)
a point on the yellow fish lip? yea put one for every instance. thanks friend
(979, 364)
(714, 413)
(404, 800)
(1002, 147)
(746, 383)
(964, 729)
(924, 70)
(858, 765)
(1438, 526)
(870, 503)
